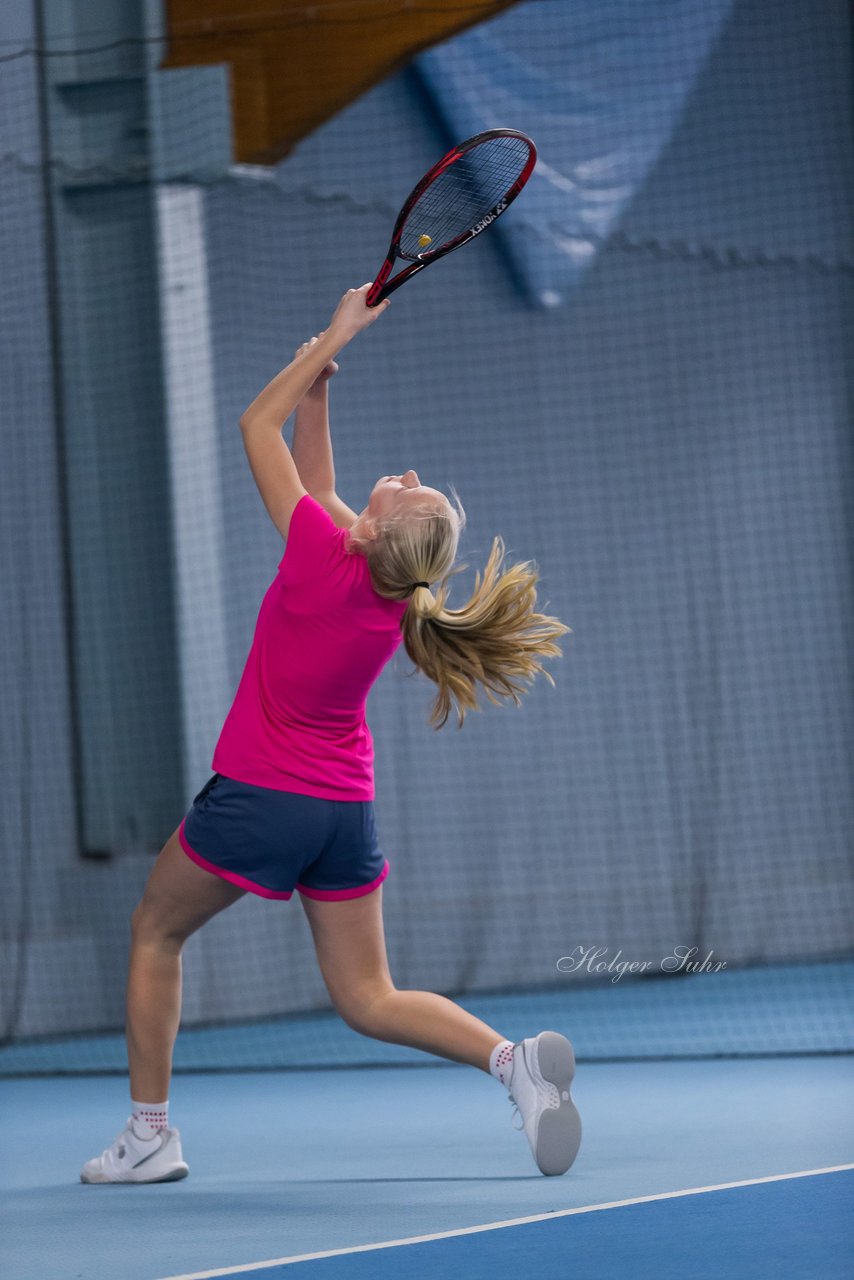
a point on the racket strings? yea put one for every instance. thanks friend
(463, 194)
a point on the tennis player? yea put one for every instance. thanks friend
(290, 806)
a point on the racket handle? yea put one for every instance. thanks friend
(375, 293)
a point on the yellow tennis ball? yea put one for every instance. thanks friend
(424, 241)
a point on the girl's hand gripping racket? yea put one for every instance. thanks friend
(457, 199)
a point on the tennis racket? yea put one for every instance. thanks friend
(458, 198)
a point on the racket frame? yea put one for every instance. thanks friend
(383, 286)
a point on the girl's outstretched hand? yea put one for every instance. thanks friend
(328, 371)
(352, 314)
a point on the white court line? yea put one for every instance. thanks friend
(510, 1222)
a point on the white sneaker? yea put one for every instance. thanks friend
(543, 1068)
(135, 1159)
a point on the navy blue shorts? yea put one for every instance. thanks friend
(272, 842)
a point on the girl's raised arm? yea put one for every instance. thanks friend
(273, 466)
(280, 397)
(312, 445)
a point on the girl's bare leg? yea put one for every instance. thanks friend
(350, 943)
(178, 899)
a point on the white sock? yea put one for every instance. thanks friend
(501, 1061)
(148, 1117)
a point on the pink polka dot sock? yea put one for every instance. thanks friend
(148, 1117)
(501, 1061)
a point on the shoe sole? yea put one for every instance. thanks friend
(173, 1175)
(559, 1130)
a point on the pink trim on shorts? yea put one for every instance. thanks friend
(335, 895)
(240, 881)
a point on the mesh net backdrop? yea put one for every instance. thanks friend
(670, 444)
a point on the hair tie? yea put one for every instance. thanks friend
(418, 584)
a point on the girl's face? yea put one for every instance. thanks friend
(392, 494)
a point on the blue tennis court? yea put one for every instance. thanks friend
(359, 1165)
(714, 1166)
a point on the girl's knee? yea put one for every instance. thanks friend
(148, 925)
(362, 1011)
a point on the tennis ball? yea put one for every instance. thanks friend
(424, 241)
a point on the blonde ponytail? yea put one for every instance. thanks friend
(494, 642)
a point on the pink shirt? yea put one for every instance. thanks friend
(322, 638)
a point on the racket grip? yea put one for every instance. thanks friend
(375, 293)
